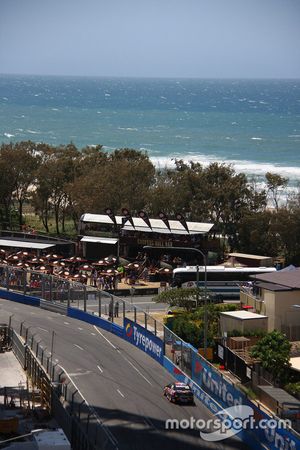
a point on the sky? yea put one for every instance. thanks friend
(151, 38)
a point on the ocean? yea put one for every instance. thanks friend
(252, 124)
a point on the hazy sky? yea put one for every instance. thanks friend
(163, 38)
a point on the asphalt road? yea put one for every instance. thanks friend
(123, 384)
(142, 302)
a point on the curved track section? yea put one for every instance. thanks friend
(120, 382)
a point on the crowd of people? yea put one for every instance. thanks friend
(104, 274)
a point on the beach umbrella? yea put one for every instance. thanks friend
(43, 269)
(22, 265)
(53, 256)
(24, 255)
(36, 261)
(112, 272)
(58, 263)
(76, 259)
(100, 263)
(111, 259)
(133, 266)
(85, 268)
(165, 271)
(75, 277)
(13, 259)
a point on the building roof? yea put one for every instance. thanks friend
(157, 225)
(272, 286)
(25, 244)
(243, 315)
(99, 240)
(248, 256)
(288, 279)
(280, 395)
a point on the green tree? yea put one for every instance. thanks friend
(273, 350)
(188, 331)
(275, 183)
(187, 298)
(26, 162)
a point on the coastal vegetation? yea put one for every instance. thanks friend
(59, 184)
(189, 325)
(273, 350)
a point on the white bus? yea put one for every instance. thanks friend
(223, 282)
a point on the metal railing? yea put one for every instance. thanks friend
(78, 419)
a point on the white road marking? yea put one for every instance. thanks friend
(100, 369)
(107, 431)
(122, 395)
(43, 329)
(135, 368)
(93, 334)
(33, 313)
(78, 346)
(80, 328)
(110, 343)
(78, 374)
(67, 323)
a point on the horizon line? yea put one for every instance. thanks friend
(153, 77)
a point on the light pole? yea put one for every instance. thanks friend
(148, 247)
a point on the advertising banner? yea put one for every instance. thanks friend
(273, 435)
(144, 340)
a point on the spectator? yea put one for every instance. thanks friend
(117, 309)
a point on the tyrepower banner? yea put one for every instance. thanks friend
(144, 340)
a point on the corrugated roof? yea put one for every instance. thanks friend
(290, 279)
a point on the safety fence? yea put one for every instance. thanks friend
(115, 314)
(58, 394)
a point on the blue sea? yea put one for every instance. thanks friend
(253, 124)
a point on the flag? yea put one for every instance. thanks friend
(182, 220)
(127, 216)
(143, 215)
(164, 218)
(111, 215)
